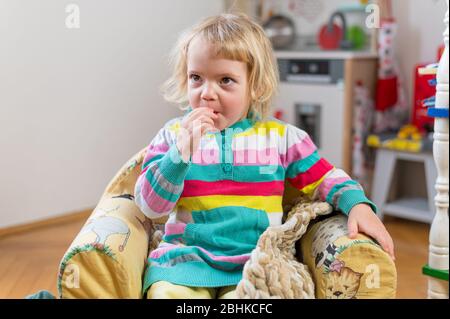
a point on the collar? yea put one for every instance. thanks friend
(243, 124)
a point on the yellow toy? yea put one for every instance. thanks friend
(408, 139)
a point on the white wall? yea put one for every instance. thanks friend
(75, 104)
(420, 29)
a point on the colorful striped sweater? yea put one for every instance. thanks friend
(223, 199)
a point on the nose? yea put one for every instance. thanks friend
(208, 93)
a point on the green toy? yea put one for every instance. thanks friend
(357, 37)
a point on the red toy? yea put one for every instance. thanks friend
(422, 91)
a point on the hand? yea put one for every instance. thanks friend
(193, 127)
(363, 219)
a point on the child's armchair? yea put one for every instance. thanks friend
(107, 259)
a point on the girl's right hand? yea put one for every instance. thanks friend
(193, 127)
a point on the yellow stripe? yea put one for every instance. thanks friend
(264, 128)
(270, 204)
(309, 189)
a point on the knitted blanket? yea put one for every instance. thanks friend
(273, 270)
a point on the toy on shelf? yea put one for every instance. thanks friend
(408, 139)
(430, 102)
(417, 136)
(391, 107)
(424, 96)
(429, 69)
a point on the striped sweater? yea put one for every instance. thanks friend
(230, 191)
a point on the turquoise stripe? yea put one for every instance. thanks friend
(213, 173)
(353, 197)
(171, 197)
(169, 238)
(238, 127)
(226, 231)
(349, 198)
(154, 158)
(337, 187)
(172, 166)
(302, 165)
(195, 274)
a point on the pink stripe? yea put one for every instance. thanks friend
(177, 228)
(240, 259)
(144, 171)
(154, 150)
(206, 157)
(267, 156)
(328, 183)
(312, 175)
(155, 202)
(298, 151)
(226, 187)
(158, 252)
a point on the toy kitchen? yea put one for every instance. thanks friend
(320, 71)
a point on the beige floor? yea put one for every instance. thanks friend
(29, 261)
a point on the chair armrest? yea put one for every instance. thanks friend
(346, 268)
(108, 256)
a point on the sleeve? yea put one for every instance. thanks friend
(315, 177)
(161, 180)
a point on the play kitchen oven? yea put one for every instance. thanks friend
(311, 97)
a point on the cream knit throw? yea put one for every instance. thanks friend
(272, 270)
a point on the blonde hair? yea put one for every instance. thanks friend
(234, 37)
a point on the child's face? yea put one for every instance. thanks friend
(217, 83)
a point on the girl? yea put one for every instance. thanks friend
(219, 171)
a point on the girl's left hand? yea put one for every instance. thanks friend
(362, 219)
